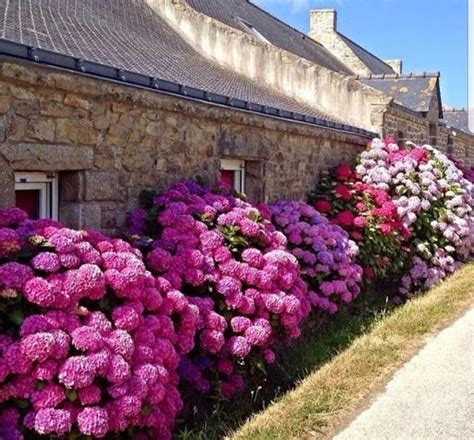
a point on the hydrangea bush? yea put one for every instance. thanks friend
(88, 343)
(370, 217)
(433, 199)
(324, 251)
(95, 338)
(468, 172)
(228, 260)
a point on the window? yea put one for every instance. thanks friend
(450, 147)
(401, 138)
(248, 27)
(233, 174)
(433, 134)
(37, 194)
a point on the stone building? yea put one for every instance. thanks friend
(100, 99)
(420, 116)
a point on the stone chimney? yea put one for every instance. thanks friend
(396, 65)
(323, 21)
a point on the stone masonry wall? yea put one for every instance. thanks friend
(464, 148)
(109, 141)
(395, 119)
(462, 144)
(398, 120)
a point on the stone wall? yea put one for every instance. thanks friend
(403, 124)
(462, 144)
(396, 119)
(109, 141)
(463, 148)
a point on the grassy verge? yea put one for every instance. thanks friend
(329, 396)
(213, 419)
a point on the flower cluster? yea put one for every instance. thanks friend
(433, 199)
(230, 263)
(468, 172)
(88, 342)
(370, 217)
(324, 251)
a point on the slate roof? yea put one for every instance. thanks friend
(374, 64)
(414, 91)
(457, 118)
(129, 35)
(275, 31)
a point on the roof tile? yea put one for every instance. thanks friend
(457, 118)
(129, 35)
(374, 64)
(275, 31)
(414, 92)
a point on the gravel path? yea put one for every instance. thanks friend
(429, 398)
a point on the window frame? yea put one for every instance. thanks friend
(47, 185)
(238, 166)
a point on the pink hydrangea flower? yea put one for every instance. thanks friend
(10, 242)
(14, 276)
(48, 397)
(77, 372)
(52, 421)
(93, 421)
(46, 262)
(210, 245)
(38, 346)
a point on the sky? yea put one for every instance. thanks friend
(428, 35)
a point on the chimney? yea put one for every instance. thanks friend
(323, 21)
(396, 65)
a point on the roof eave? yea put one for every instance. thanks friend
(46, 57)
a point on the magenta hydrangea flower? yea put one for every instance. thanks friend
(46, 262)
(38, 347)
(87, 338)
(14, 276)
(12, 217)
(77, 372)
(226, 251)
(10, 242)
(52, 421)
(48, 397)
(39, 291)
(129, 361)
(93, 421)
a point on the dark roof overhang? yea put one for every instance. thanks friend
(46, 57)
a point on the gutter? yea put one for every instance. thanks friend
(46, 57)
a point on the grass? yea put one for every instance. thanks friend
(329, 396)
(218, 418)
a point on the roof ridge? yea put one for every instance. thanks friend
(303, 35)
(454, 109)
(364, 49)
(284, 23)
(398, 75)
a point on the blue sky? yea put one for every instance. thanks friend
(428, 35)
